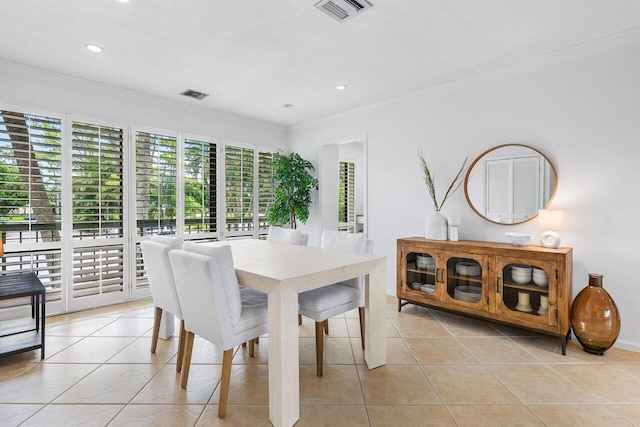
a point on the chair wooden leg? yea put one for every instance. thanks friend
(186, 362)
(224, 383)
(319, 346)
(157, 317)
(299, 319)
(252, 347)
(181, 340)
(361, 313)
(326, 326)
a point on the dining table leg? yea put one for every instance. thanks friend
(284, 379)
(375, 350)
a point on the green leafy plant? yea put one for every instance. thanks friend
(293, 185)
(430, 180)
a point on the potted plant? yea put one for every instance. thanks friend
(293, 185)
(437, 223)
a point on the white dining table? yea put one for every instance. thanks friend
(282, 272)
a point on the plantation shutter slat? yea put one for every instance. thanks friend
(200, 198)
(97, 163)
(265, 187)
(346, 197)
(155, 183)
(239, 189)
(98, 270)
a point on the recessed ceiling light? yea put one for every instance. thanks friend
(341, 87)
(288, 105)
(123, 1)
(94, 48)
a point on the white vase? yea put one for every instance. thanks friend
(436, 227)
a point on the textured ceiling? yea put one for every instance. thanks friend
(253, 56)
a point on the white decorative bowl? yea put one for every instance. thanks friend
(468, 268)
(540, 279)
(428, 288)
(521, 278)
(425, 262)
(519, 239)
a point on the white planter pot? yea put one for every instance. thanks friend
(437, 227)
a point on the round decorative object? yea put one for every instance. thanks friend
(550, 239)
(436, 227)
(595, 318)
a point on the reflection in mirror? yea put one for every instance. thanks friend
(509, 183)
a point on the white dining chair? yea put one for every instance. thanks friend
(287, 236)
(155, 255)
(322, 303)
(212, 250)
(215, 309)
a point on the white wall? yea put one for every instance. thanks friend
(51, 91)
(584, 114)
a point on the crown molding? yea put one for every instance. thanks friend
(557, 56)
(132, 95)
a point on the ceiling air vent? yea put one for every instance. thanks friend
(341, 10)
(194, 94)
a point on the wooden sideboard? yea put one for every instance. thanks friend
(476, 278)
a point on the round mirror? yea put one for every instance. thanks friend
(507, 184)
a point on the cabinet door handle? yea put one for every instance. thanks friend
(440, 275)
(497, 285)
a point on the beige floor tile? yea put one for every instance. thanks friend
(397, 385)
(80, 327)
(43, 382)
(342, 416)
(511, 331)
(110, 384)
(157, 415)
(13, 366)
(460, 326)
(549, 350)
(353, 325)
(398, 352)
(419, 327)
(147, 312)
(12, 414)
(237, 416)
(631, 413)
(74, 415)
(494, 415)
(92, 350)
(577, 415)
(165, 388)
(337, 351)
(125, 327)
(540, 384)
(249, 386)
(339, 385)
(409, 416)
(608, 383)
(407, 310)
(437, 351)
(497, 350)
(139, 351)
(468, 385)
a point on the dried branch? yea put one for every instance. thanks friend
(430, 180)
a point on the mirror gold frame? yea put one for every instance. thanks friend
(545, 192)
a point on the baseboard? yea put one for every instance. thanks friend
(628, 345)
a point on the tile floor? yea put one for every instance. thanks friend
(442, 370)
